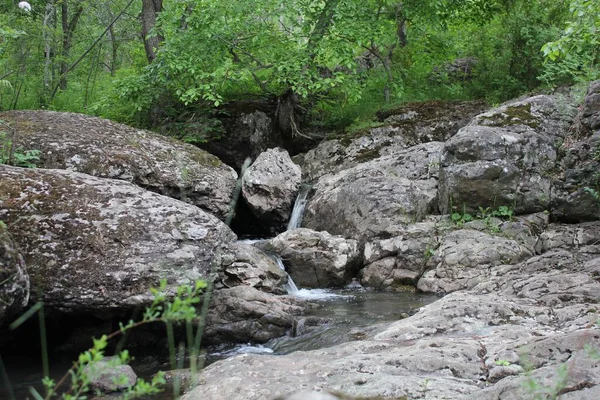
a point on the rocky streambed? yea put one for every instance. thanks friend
(495, 211)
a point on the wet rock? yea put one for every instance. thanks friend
(270, 186)
(316, 259)
(106, 149)
(109, 375)
(244, 264)
(373, 197)
(243, 314)
(14, 280)
(95, 245)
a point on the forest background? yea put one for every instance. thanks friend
(324, 64)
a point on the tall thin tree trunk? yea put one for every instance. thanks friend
(150, 10)
(68, 28)
(48, 38)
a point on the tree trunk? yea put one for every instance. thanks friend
(48, 38)
(68, 28)
(150, 10)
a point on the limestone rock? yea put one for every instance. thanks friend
(464, 259)
(243, 314)
(374, 197)
(400, 260)
(106, 149)
(316, 259)
(244, 264)
(505, 156)
(402, 128)
(14, 286)
(96, 245)
(270, 186)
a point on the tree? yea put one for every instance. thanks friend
(577, 51)
(150, 10)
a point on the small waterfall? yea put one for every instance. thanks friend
(290, 286)
(299, 205)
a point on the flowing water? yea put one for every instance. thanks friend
(299, 206)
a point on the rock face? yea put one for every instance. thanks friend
(270, 186)
(97, 245)
(577, 180)
(106, 149)
(402, 128)
(14, 286)
(376, 196)
(505, 156)
(400, 261)
(316, 259)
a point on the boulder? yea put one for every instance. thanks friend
(244, 264)
(377, 196)
(505, 156)
(407, 126)
(106, 149)
(109, 375)
(243, 314)
(270, 185)
(96, 245)
(400, 260)
(14, 280)
(316, 259)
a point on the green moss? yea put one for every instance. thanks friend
(514, 115)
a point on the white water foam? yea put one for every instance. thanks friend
(319, 294)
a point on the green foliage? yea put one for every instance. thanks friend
(502, 363)
(166, 307)
(15, 156)
(575, 54)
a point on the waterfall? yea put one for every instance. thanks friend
(299, 205)
(290, 286)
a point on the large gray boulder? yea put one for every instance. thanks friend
(401, 128)
(316, 259)
(107, 149)
(506, 156)
(377, 196)
(270, 185)
(14, 280)
(96, 245)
